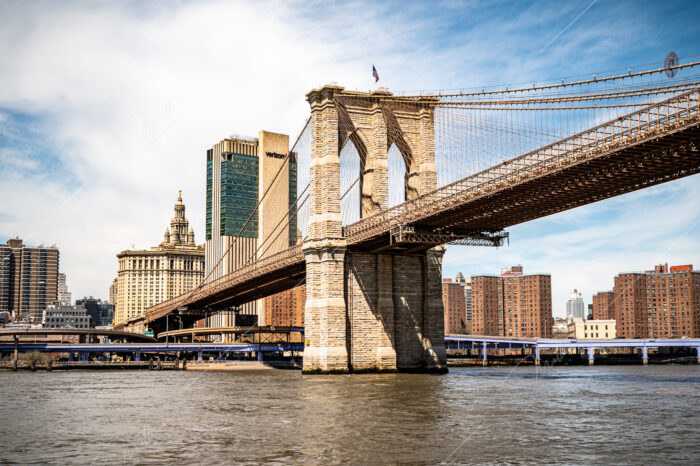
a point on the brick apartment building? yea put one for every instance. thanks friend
(286, 309)
(604, 305)
(512, 304)
(454, 302)
(659, 303)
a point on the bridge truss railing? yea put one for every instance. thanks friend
(663, 117)
(261, 267)
(256, 269)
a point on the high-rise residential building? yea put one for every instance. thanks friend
(454, 304)
(28, 279)
(113, 292)
(286, 308)
(467, 283)
(604, 305)
(6, 283)
(486, 304)
(64, 296)
(673, 302)
(575, 307)
(239, 173)
(513, 304)
(148, 277)
(659, 303)
(631, 305)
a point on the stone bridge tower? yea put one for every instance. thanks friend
(369, 311)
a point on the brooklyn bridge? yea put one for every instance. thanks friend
(386, 180)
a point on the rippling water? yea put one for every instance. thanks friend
(605, 415)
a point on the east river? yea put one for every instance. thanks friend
(602, 415)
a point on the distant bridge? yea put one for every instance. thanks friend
(82, 333)
(485, 343)
(137, 349)
(453, 342)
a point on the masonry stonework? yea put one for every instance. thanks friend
(365, 311)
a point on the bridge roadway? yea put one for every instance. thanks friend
(151, 348)
(112, 334)
(192, 333)
(656, 144)
(453, 342)
(484, 343)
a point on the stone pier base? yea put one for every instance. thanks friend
(384, 313)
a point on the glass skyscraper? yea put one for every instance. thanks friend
(239, 171)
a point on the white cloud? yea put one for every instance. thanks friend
(130, 101)
(128, 97)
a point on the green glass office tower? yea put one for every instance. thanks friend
(239, 170)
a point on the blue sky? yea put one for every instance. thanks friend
(106, 110)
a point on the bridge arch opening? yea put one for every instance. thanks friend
(350, 184)
(396, 176)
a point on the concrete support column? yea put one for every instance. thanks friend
(697, 353)
(408, 278)
(137, 356)
(484, 354)
(370, 312)
(16, 353)
(591, 356)
(325, 317)
(326, 345)
(70, 356)
(537, 355)
(199, 355)
(434, 313)
(645, 355)
(260, 355)
(426, 150)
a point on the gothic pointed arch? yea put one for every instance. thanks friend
(397, 172)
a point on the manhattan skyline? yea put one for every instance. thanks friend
(105, 113)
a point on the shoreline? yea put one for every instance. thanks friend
(146, 365)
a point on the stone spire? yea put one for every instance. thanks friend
(179, 224)
(190, 237)
(166, 237)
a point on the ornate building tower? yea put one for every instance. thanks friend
(147, 277)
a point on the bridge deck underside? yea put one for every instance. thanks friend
(280, 279)
(648, 163)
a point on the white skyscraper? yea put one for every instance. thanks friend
(64, 296)
(575, 307)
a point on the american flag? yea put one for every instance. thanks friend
(375, 74)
